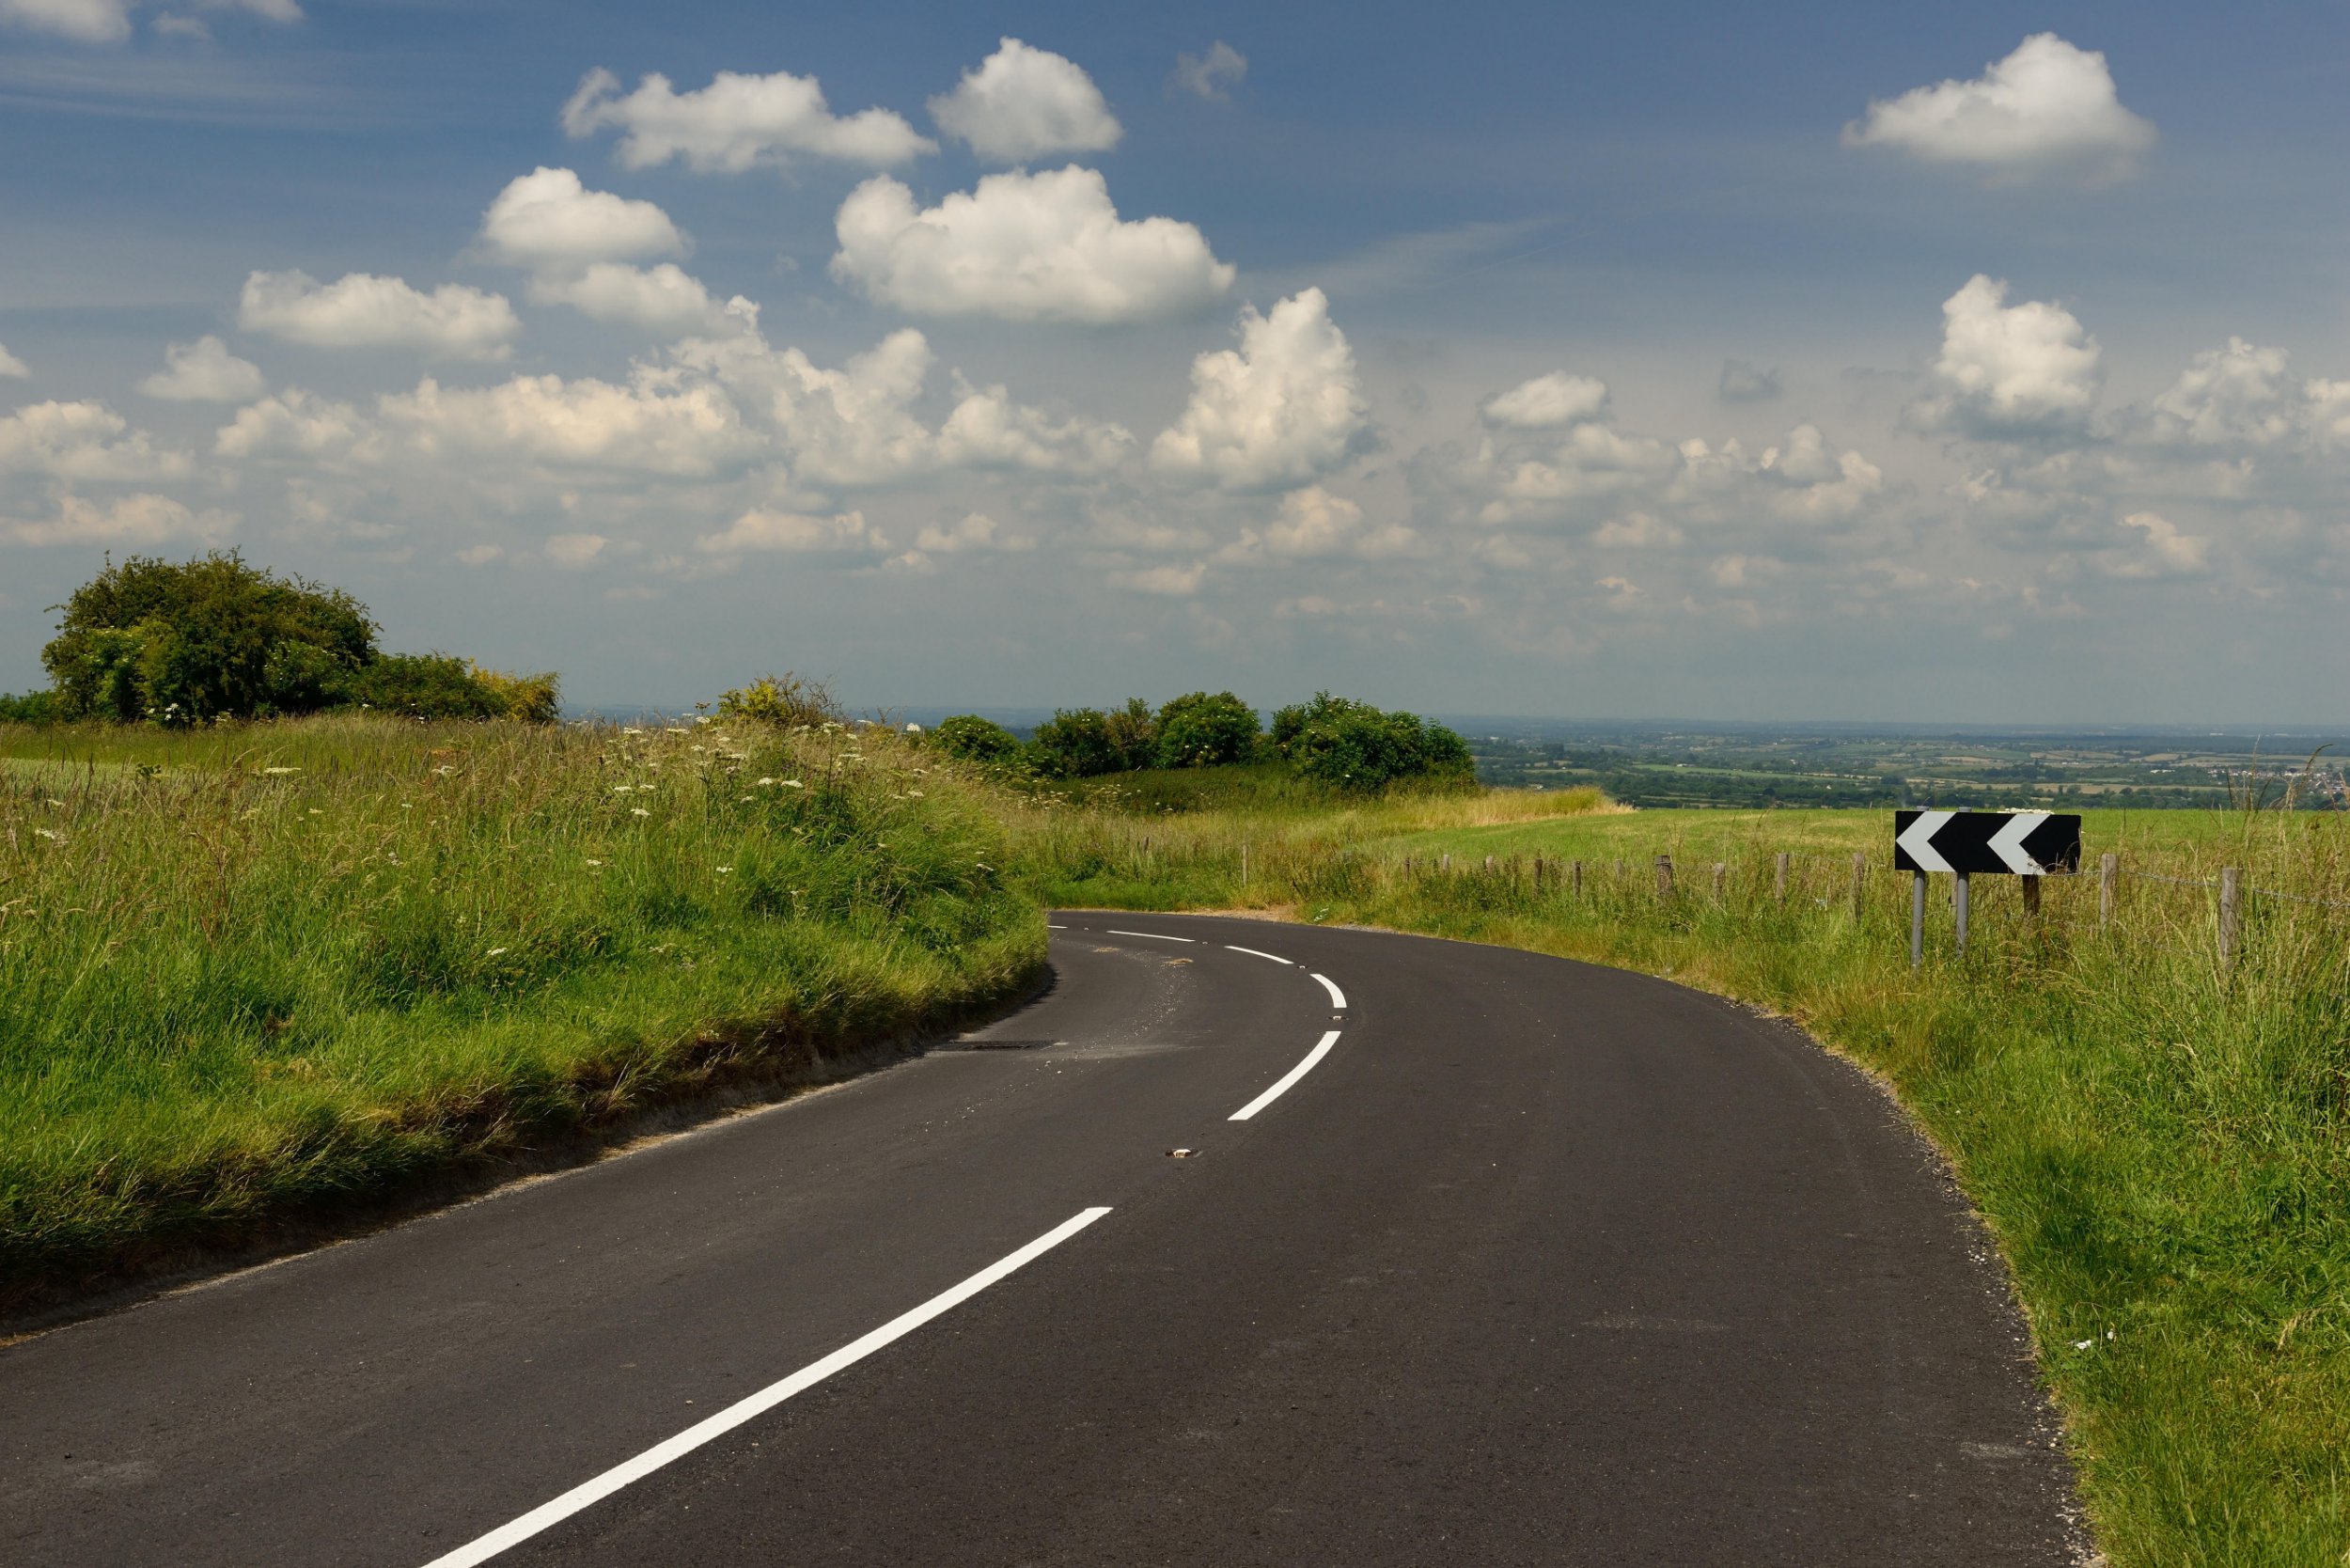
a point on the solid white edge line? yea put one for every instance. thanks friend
(1154, 936)
(1338, 997)
(645, 1464)
(1261, 1101)
(1254, 953)
(1049, 926)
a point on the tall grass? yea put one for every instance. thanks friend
(250, 970)
(2160, 1139)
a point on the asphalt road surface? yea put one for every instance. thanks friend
(1524, 1263)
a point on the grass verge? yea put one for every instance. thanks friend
(2159, 1140)
(266, 971)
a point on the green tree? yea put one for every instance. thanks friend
(1354, 746)
(196, 640)
(973, 739)
(1134, 735)
(1075, 743)
(1202, 729)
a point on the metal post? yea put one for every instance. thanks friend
(1958, 901)
(1917, 914)
(1243, 863)
(1663, 876)
(1778, 877)
(2108, 881)
(1444, 862)
(2230, 914)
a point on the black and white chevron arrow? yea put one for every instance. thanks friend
(1986, 843)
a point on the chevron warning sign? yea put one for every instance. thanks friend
(1988, 843)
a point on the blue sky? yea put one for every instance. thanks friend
(1844, 362)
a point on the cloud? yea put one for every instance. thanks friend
(1549, 403)
(205, 371)
(2046, 106)
(665, 298)
(82, 441)
(1312, 524)
(1022, 102)
(12, 367)
(109, 21)
(128, 520)
(796, 533)
(574, 551)
(975, 532)
(296, 423)
(646, 427)
(2238, 396)
(1742, 382)
(987, 429)
(736, 123)
(2161, 549)
(1023, 247)
(547, 218)
(1285, 408)
(361, 311)
(2008, 372)
(1213, 75)
(82, 21)
(1172, 582)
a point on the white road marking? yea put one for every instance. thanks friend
(1049, 926)
(1261, 1101)
(1338, 997)
(1153, 935)
(1254, 953)
(645, 1464)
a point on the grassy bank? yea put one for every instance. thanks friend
(251, 972)
(2160, 1142)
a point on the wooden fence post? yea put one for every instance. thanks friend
(2031, 900)
(1663, 876)
(1721, 878)
(1778, 876)
(1443, 861)
(2230, 914)
(1859, 885)
(1574, 878)
(1619, 871)
(2108, 880)
(1244, 862)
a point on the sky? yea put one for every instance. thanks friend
(1838, 362)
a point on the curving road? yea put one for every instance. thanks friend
(1476, 1255)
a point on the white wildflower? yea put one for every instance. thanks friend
(638, 811)
(595, 862)
(280, 770)
(495, 951)
(914, 794)
(793, 784)
(725, 870)
(622, 788)
(46, 833)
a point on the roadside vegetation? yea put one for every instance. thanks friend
(255, 971)
(2160, 1139)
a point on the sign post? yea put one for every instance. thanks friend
(1966, 843)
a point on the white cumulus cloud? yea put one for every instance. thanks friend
(1281, 410)
(2046, 105)
(109, 21)
(643, 428)
(1549, 403)
(2008, 371)
(82, 441)
(205, 371)
(361, 311)
(1046, 246)
(797, 533)
(128, 520)
(1212, 75)
(549, 218)
(736, 123)
(665, 298)
(11, 366)
(988, 429)
(1022, 102)
(2160, 549)
(297, 424)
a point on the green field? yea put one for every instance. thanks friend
(2160, 1141)
(253, 972)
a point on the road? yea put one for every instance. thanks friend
(1530, 1261)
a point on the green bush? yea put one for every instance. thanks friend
(32, 708)
(783, 699)
(1353, 746)
(184, 642)
(1202, 729)
(1075, 743)
(1134, 735)
(972, 739)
